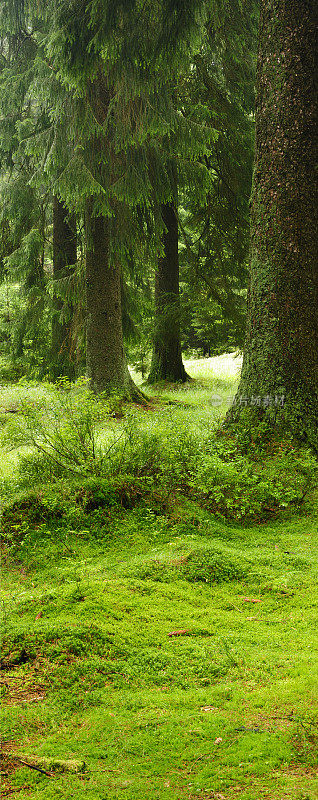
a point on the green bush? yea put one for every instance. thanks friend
(124, 491)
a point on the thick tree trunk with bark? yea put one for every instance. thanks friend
(64, 255)
(280, 365)
(166, 363)
(105, 360)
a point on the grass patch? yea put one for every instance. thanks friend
(163, 640)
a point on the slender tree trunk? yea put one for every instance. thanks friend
(64, 255)
(166, 363)
(280, 365)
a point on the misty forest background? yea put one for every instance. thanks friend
(159, 398)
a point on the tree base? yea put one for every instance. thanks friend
(158, 373)
(124, 391)
(298, 421)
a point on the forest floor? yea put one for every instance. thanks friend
(168, 683)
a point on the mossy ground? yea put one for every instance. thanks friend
(225, 709)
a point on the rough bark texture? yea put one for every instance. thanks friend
(281, 348)
(64, 255)
(166, 361)
(105, 361)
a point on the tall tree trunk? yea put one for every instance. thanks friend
(105, 359)
(166, 363)
(64, 255)
(280, 365)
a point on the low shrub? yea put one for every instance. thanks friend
(62, 431)
(124, 491)
(48, 514)
(32, 507)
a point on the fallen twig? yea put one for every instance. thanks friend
(32, 766)
(251, 600)
(50, 765)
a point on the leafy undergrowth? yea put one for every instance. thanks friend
(157, 605)
(71, 447)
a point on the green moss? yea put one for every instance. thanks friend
(136, 638)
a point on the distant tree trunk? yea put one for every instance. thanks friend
(280, 365)
(166, 363)
(64, 255)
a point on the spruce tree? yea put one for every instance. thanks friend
(280, 367)
(118, 165)
(105, 358)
